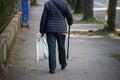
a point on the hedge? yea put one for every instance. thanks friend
(6, 9)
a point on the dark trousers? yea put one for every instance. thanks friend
(51, 40)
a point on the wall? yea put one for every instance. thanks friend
(7, 40)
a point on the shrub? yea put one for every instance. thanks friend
(6, 9)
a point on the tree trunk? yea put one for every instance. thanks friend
(73, 3)
(110, 16)
(88, 9)
(79, 6)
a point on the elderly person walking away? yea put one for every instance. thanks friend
(56, 15)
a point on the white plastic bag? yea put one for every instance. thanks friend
(41, 48)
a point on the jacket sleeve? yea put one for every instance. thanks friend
(69, 16)
(43, 20)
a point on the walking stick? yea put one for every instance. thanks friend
(68, 42)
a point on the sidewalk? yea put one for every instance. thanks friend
(90, 57)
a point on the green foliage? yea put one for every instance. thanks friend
(33, 2)
(78, 14)
(105, 33)
(78, 19)
(94, 21)
(6, 10)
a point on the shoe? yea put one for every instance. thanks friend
(63, 66)
(52, 71)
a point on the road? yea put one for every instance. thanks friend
(100, 9)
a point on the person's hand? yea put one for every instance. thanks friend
(42, 34)
(70, 24)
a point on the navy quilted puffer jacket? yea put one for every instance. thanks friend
(54, 17)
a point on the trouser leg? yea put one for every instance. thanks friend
(51, 40)
(61, 48)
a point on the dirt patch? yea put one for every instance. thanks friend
(116, 56)
(83, 33)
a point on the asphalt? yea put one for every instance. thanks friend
(90, 57)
